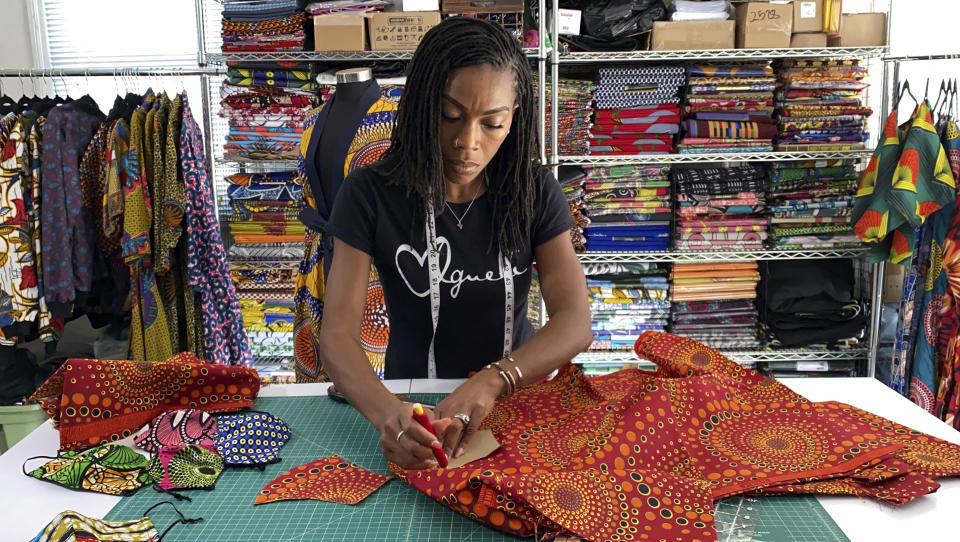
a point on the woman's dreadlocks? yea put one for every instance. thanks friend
(414, 159)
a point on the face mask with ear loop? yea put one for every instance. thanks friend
(71, 526)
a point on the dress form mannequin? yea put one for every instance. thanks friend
(352, 87)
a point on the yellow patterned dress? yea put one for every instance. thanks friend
(369, 143)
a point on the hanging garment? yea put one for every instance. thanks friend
(925, 369)
(112, 469)
(21, 302)
(251, 439)
(186, 466)
(67, 239)
(177, 427)
(100, 401)
(208, 270)
(363, 148)
(948, 340)
(579, 456)
(331, 479)
(72, 526)
(171, 233)
(149, 331)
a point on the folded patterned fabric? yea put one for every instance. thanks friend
(729, 71)
(713, 306)
(724, 129)
(100, 401)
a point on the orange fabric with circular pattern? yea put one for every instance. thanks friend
(331, 479)
(639, 455)
(99, 401)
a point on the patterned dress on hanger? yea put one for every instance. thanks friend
(149, 332)
(208, 271)
(369, 143)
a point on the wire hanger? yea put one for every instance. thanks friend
(905, 89)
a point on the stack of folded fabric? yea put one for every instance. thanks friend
(268, 321)
(625, 301)
(819, 306)
(729, 109)
(265, 208)
(820, 105)
(266, 107)
(720, 208)
(263, 26)
(628, 208)
(810, 205)
(701, 10)
(714, 303)
(571, 181)
(636, 110)
(573, 110)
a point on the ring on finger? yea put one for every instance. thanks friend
(400, 434)
(463, 418)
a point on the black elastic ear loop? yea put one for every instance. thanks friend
(173, 494)
(182, 519)
(24, 466)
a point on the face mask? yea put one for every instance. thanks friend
(251, 439)
(70, 526)
(111, 468)
(186, 466)
(177, 427)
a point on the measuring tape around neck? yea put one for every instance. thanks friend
(433, 267)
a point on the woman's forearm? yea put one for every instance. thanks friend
(351, 372)
(565, 335)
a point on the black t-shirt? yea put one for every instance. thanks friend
(380, 220)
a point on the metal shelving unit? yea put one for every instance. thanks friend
(864, 356)
(720, 54)
(693, 256)
(702, 158)
(323, 56)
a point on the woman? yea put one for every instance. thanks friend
(458, 177)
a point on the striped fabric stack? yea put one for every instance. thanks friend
(720, 208)
(820, 105)
(628, 208)
(573, 110)
(714, 303)
(810, 204)
(626, 300)
(636, 110)
(571, 181)
(729, 110)
(263, 26)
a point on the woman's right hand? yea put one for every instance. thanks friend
(414, 448)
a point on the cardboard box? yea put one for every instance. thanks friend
(688, 35)
(808, 40)
(339, 33)
(570, 22)
(861, 30)
(807, 16)
(416, 5)
(481, 6)
(400, 31)
(764, 25)
(893, 276)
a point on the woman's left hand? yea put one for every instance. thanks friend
(475, 398)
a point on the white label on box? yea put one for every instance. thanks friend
(812, 366)
(569, 22)
(808, 10)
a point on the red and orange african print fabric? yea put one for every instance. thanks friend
(640, 455)
(331, 479)
(100, 401)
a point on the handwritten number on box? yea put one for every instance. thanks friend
(764, 15)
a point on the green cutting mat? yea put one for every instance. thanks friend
(396, 511)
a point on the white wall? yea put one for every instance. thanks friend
(17, 48)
